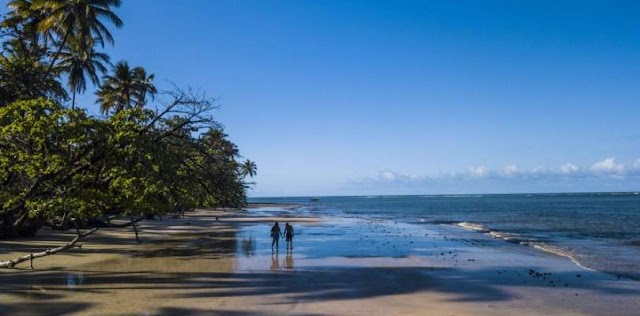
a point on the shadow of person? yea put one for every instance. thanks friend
(288, 260)
(275, 265)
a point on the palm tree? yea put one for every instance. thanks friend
(81, 19)
(21, 12)
(248, 168)
(144, 85)
(79, 61)
(20, 8)
(126, 88)
(24, 21)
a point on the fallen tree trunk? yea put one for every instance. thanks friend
(31, 256)
(71, 244)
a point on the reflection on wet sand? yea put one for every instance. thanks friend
(288, 260)
(248, 246)
(275, 264)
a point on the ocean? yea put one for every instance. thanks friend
(598, 231)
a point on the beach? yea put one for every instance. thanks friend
(432, 157)
(212, 262)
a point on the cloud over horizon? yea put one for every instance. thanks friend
(606, 174)
(609, 166)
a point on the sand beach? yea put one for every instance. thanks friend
(198, 265)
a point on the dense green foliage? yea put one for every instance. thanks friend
(58, 162)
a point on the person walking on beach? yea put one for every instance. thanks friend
(288, 233)
(276, 233)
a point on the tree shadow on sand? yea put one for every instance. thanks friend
(171, 311)
(321, 284)
(52, 309)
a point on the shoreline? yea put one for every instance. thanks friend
(199, 265)
(542, 247)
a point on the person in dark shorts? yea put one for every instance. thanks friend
(276, 233)
(288, 234)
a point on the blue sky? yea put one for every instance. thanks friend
(408, 97)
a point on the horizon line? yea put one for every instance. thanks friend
(449, 194)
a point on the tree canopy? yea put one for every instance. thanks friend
(153, 152)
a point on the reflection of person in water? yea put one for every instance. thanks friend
(288, 260)
(275, 265)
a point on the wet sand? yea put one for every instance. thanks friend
(198, 265)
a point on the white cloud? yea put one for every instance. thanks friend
(478, 172)
(509, 170)
(568, 168)
(609, 165)
(607, 168)
(388, 175)
(392, 176)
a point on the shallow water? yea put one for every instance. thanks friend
(598, 230)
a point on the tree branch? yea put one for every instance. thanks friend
(31, 256)
(71, 244)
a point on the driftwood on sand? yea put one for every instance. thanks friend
(71, 244)
(31, 256)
